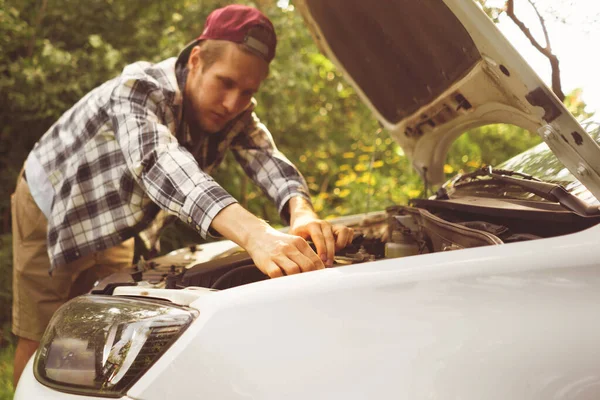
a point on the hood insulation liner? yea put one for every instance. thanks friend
(403, 54)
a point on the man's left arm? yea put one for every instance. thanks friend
(281, 181)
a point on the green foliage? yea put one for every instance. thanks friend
(6, 263)
(7, 341)
(6, 372)
(492, 12)
(487, 145)
(577, 106)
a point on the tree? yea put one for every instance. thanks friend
(545, 50)
(545, 47)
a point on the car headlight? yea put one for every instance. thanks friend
(101, 345)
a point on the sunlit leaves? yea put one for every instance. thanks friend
(488, 145)
(576, 105)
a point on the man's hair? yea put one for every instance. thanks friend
(211, 51)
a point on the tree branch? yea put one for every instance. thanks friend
(510, 11)
(546, 51)
(543, 24)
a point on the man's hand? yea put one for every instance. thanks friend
(273, 252)
(327, 238)
(277, 254)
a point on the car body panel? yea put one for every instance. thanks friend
(497, 83)
(510, 321)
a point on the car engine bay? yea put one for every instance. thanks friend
(425, 226)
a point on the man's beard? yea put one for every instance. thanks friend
(193, 120)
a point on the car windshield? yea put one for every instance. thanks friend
(541, 163)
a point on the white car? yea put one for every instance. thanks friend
(488, 290)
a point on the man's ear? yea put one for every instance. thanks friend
(195, 60)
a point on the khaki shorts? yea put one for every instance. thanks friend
(36, 294)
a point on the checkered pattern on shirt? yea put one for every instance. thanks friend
(114, 162)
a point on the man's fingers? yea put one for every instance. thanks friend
(282, 254)
(296, 256)
(341, 239)
(316, 235)
(351, 237)
(330, 242)
(328, 239)
(288, 266)
(307, 258)
(344, 236)
(297, 262)
(273, 270)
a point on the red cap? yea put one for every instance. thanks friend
(242, 24)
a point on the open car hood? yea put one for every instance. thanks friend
(431, 70)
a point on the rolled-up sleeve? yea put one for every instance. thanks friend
(166, 170)
(277, 177)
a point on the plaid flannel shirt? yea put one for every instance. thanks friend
(122, 158)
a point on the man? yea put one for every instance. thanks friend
(142, 146)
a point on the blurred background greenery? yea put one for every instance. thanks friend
(52, 53)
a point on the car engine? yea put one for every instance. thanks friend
(425, 226)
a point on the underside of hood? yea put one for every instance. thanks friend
(431, 70)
